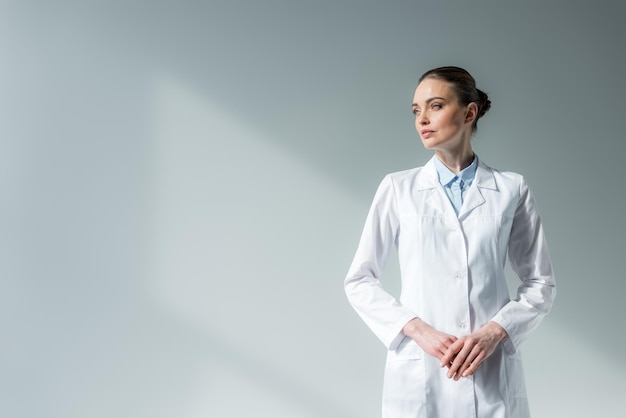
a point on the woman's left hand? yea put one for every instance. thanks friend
(466, 354)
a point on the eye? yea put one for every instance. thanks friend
(436, 106)
(416, 111)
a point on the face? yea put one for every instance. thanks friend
(442, 123)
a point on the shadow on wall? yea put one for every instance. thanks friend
(244, 245)
(240, 240)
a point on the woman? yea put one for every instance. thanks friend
(454, 334)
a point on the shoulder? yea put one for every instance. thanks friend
(424, 176)
(397, 184)
(402, 182)
(502, 179)
(404, 175)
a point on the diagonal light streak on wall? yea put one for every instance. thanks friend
(250, 244)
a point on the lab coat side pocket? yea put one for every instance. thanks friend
(403, 387)
(514, 369)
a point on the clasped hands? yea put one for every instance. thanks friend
(461, 355)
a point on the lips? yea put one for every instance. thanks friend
(426, 133)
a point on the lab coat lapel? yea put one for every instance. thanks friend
(484, 179)
(428, 182)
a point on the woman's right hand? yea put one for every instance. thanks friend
(433, 342)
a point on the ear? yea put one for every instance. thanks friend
(471, 113)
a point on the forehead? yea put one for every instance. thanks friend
(430, 88)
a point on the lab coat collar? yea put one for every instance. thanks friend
(428, 179)
(484, 177)
(484, 180)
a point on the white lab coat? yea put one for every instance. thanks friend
(452, 275)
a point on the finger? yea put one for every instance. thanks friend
(459, 360)
(456, 364)
(444, 349)
(450, 353)
(475, 364)
(471, 357)
(451, 339)
(447, 341)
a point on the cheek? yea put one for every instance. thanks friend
(450, 122)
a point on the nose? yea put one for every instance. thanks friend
(421, 119)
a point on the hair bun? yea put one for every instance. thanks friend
(484, 104)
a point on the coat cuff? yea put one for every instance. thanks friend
(507, 343)
(399, 335)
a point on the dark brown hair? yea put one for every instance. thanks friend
(463, 86)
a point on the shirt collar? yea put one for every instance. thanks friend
(446, 175)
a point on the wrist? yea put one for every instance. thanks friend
(497, 330)
(412, 327)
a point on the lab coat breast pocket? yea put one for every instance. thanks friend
(404, 387)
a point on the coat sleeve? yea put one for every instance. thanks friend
(380, 311)
(530, 259)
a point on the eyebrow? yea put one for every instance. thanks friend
(430, 100)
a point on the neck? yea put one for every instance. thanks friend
(456, 160)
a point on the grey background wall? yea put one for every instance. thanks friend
(183, 185)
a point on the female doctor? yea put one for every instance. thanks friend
(453, 336)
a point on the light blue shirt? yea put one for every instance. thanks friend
(456, 185)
